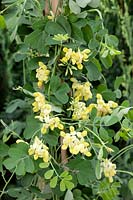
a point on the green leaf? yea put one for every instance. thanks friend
(53, 182)
(93, 43)
(77, 33)
(14, 192)
(51, 138)
(64, 174)
(118, 81)
(108, 191)
(94, 3)
(18, 151)
(111, 40)
(83, 3)
(85, 170)
(32, 127)
(69, 185)
(10, 163)
(29, 165)
(61, 20)
(62, 186)
(93, 72)
(110, 120)
(49, 174)
(43, 165)
(20, 170)
(69, 195)
(2, 22)
(54, 28)
(13, 105)
(107, 61)
(3, 149)
(87, 32)
(36, 39)
(74, 7)
(108, 95)
(54, 83)
(130, 185)
(61, 93)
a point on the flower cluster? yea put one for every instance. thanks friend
(109, 169)
(42, 74)
(41, 105)
(39, 150)
(81, 90)
(102, 107)
(75, 58)
(75, 142)
(51, 123)
(80, 111)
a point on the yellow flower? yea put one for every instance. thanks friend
(41, 105)
(42, 74)
(39, 101)
(75, 58)
(81, 90)
(52, 123)
(104, 108)
(67, 56)
(39, 150)
(74, 140)
(80, 111)
(109, 169)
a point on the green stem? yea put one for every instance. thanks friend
(3, 191)
(24, 73)
(122, 151)
(99, 13)
(103, 144)
(8, 7)
(54, 169)
(7, 127)
(125, 172)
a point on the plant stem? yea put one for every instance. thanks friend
(125, 172)
(3, 191)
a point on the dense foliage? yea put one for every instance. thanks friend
(69, 128)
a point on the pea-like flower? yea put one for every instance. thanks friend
(102, 107)
(39, 150)
(75, 141)
(41, 105)
(42, 74)
(51, 123)
(39, 101)
(80, 111)
(75, 58)
(81, 90)
(109, 169)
